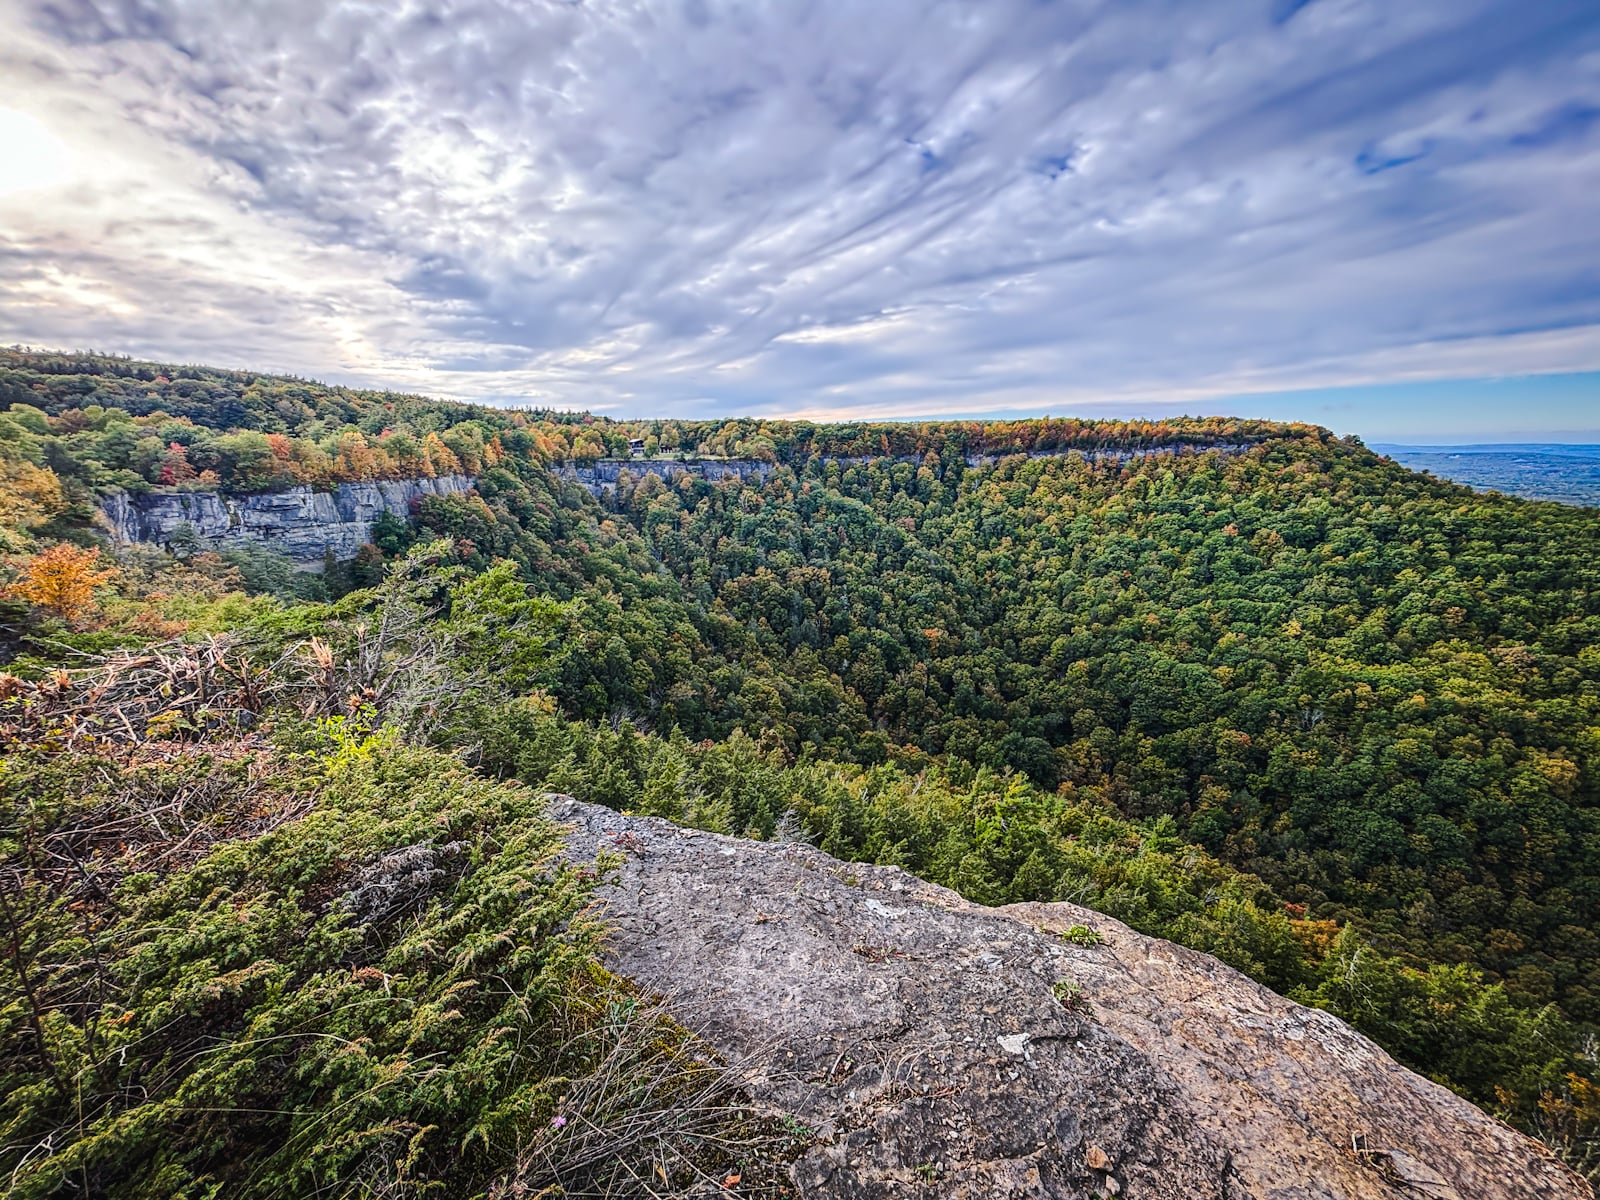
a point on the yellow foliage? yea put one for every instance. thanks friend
(62, 580)
(28, 496)
(1316, 937)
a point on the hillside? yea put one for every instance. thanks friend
(1245, 686)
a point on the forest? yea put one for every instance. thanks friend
(1244, 685)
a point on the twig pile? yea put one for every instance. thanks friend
(164, 738)
(179, 691)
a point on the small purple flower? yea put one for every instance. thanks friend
(558, 1122)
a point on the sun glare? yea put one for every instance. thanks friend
(32, 157)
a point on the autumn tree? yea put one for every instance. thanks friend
(62, 580)
(175, 465)
(29, 495)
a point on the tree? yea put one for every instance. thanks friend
(267, 570)
(175, 466)
(63, 580)
(367, 568)
(29, 495)
(391, 534)
(185, 540)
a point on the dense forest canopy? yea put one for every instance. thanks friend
(134, 425)
(1272, 695)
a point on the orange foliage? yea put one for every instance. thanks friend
(1316, 938)
(62, 580)
(175, 465)
(28, 495)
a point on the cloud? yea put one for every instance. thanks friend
(829, 208)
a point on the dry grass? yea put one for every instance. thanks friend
(657, 1114)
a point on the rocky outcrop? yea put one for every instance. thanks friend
(939, 1048)
(301, 523)
(602, 476)
(1120, 454)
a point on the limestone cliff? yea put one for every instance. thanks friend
(298, 521)
(602, 476)
(940, 1048)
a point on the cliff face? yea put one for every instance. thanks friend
(603, 475)
(926, 1041)
(300, 522)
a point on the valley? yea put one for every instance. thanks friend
(1242, 685)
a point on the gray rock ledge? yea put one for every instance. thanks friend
(302, 523)
(920, 1035)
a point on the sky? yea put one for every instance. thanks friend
(1378, 216)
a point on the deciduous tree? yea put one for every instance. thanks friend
(62, 580)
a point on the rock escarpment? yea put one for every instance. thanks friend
(938, 1047)
(301, 523)
(602, 476)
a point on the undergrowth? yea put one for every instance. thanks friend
(315, 960)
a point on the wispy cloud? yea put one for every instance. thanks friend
(823, 208)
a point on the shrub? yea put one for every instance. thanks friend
(353, 969)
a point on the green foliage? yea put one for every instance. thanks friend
(1241, 684)
(264, 570)
(392, 536)
(999, 839)
(238, 1026)
(1370, 689)
(391, 991)
(1082, 935)
(1446, 1023)
(1070, 995)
